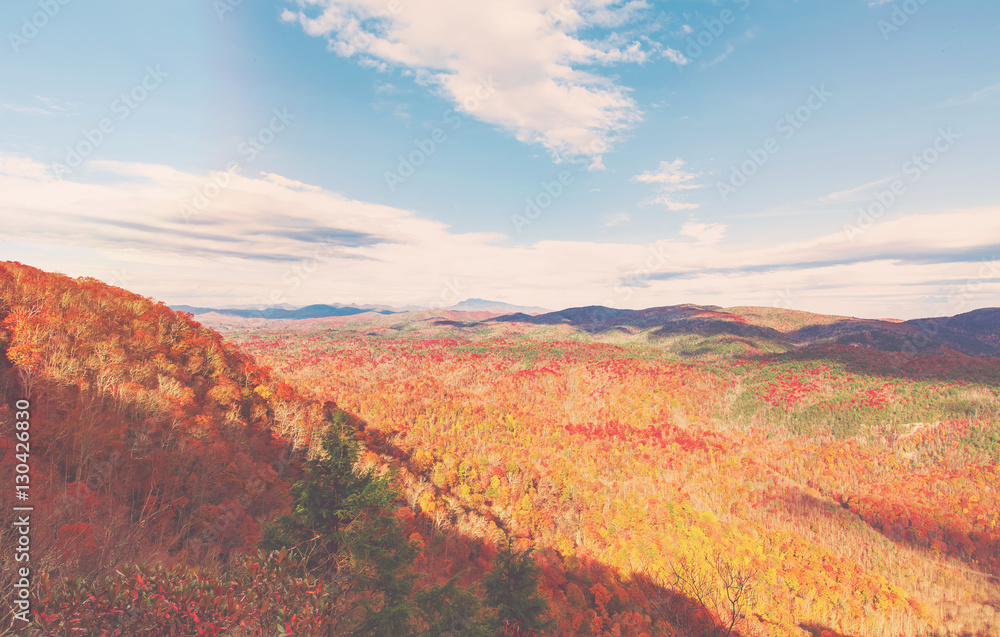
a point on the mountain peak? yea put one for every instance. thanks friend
(485, 305)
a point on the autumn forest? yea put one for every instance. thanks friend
(690, 471)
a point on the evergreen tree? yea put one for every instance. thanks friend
(342, 525)
(451, 611)
(512, 589)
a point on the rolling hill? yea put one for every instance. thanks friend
(768, 329)
(689, 330)
(683, 470)
(849, 477)
(307, 312)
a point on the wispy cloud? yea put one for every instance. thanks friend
(970, 98)
(668, 179)
(270, 239)
(616, 219)
(730, 47)
(704, 233)
(44, 106)
(285, 182)
(24, 110)
(858, 193)
(675, 56)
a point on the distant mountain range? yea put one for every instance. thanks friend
(482, 305)
(336, 309)
(696, 329)
(307, 312)
(975, 333)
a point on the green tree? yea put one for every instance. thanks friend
(512, 590)
(451, 611)
(343, 526)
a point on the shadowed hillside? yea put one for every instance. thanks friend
(773, 329)
(854, 487)
(776, 490)
(162, 457)
(146, 428)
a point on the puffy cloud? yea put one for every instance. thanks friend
(519, 64)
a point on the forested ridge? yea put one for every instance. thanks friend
(449, 479)
(847, 489)
(180, 489)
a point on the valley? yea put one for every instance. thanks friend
(674, 471)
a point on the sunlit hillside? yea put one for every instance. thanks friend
(824, 489)
(856, 488)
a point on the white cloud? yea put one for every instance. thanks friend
(676, 56)
(616, 219)
(705, 233)
(24, 110)
(285, 182)
(272, 240)
(23, 167)
(48, 107)
(962, 100)
(670, 178)
(518, 64)
(722, 56)
(858, 193)
(605, 14)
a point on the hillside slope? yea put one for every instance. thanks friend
(689, 331)
(148, 434)
(855, 488)
(162, 457)
(702, 330)
(975, 333)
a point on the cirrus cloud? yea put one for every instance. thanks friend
(668, 178)
(267, 240)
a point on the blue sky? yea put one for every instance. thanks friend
(541, 152)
